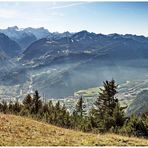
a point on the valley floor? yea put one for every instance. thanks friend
(22, 131)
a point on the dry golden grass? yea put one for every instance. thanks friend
(21, 131)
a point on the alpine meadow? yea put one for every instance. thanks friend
(73, 73)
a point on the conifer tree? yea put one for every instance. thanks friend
(80, 107)
(10, 106)
(136, 125)
(4, 106)
(58, 106)
(17, 107)
(119, 115)
(37, 103)
(28, 101)
(79, 115)
(50, 106)
(107, 110)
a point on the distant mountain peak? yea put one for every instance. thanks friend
(82, 35)
(13, 28)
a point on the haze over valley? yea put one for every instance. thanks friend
(60, 64)
(67, 49)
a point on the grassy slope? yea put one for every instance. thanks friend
(21, 131)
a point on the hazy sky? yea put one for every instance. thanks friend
(99, 17)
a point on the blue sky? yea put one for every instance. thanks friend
(98, 17)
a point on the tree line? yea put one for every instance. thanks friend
(106, 115)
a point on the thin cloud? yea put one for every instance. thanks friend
(67, 5)
(57, 14)
(8, 13)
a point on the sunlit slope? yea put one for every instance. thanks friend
(21, 131)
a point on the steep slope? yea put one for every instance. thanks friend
(8, 47)
(25, 36)
(38, 32)
(24, 39)
(140, 104)
(19, 131)
(5, 64)
(111, 46)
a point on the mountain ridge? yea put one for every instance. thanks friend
(8, 47)
(48, 30)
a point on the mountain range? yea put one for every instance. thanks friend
(58, 64)
(25, 36)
